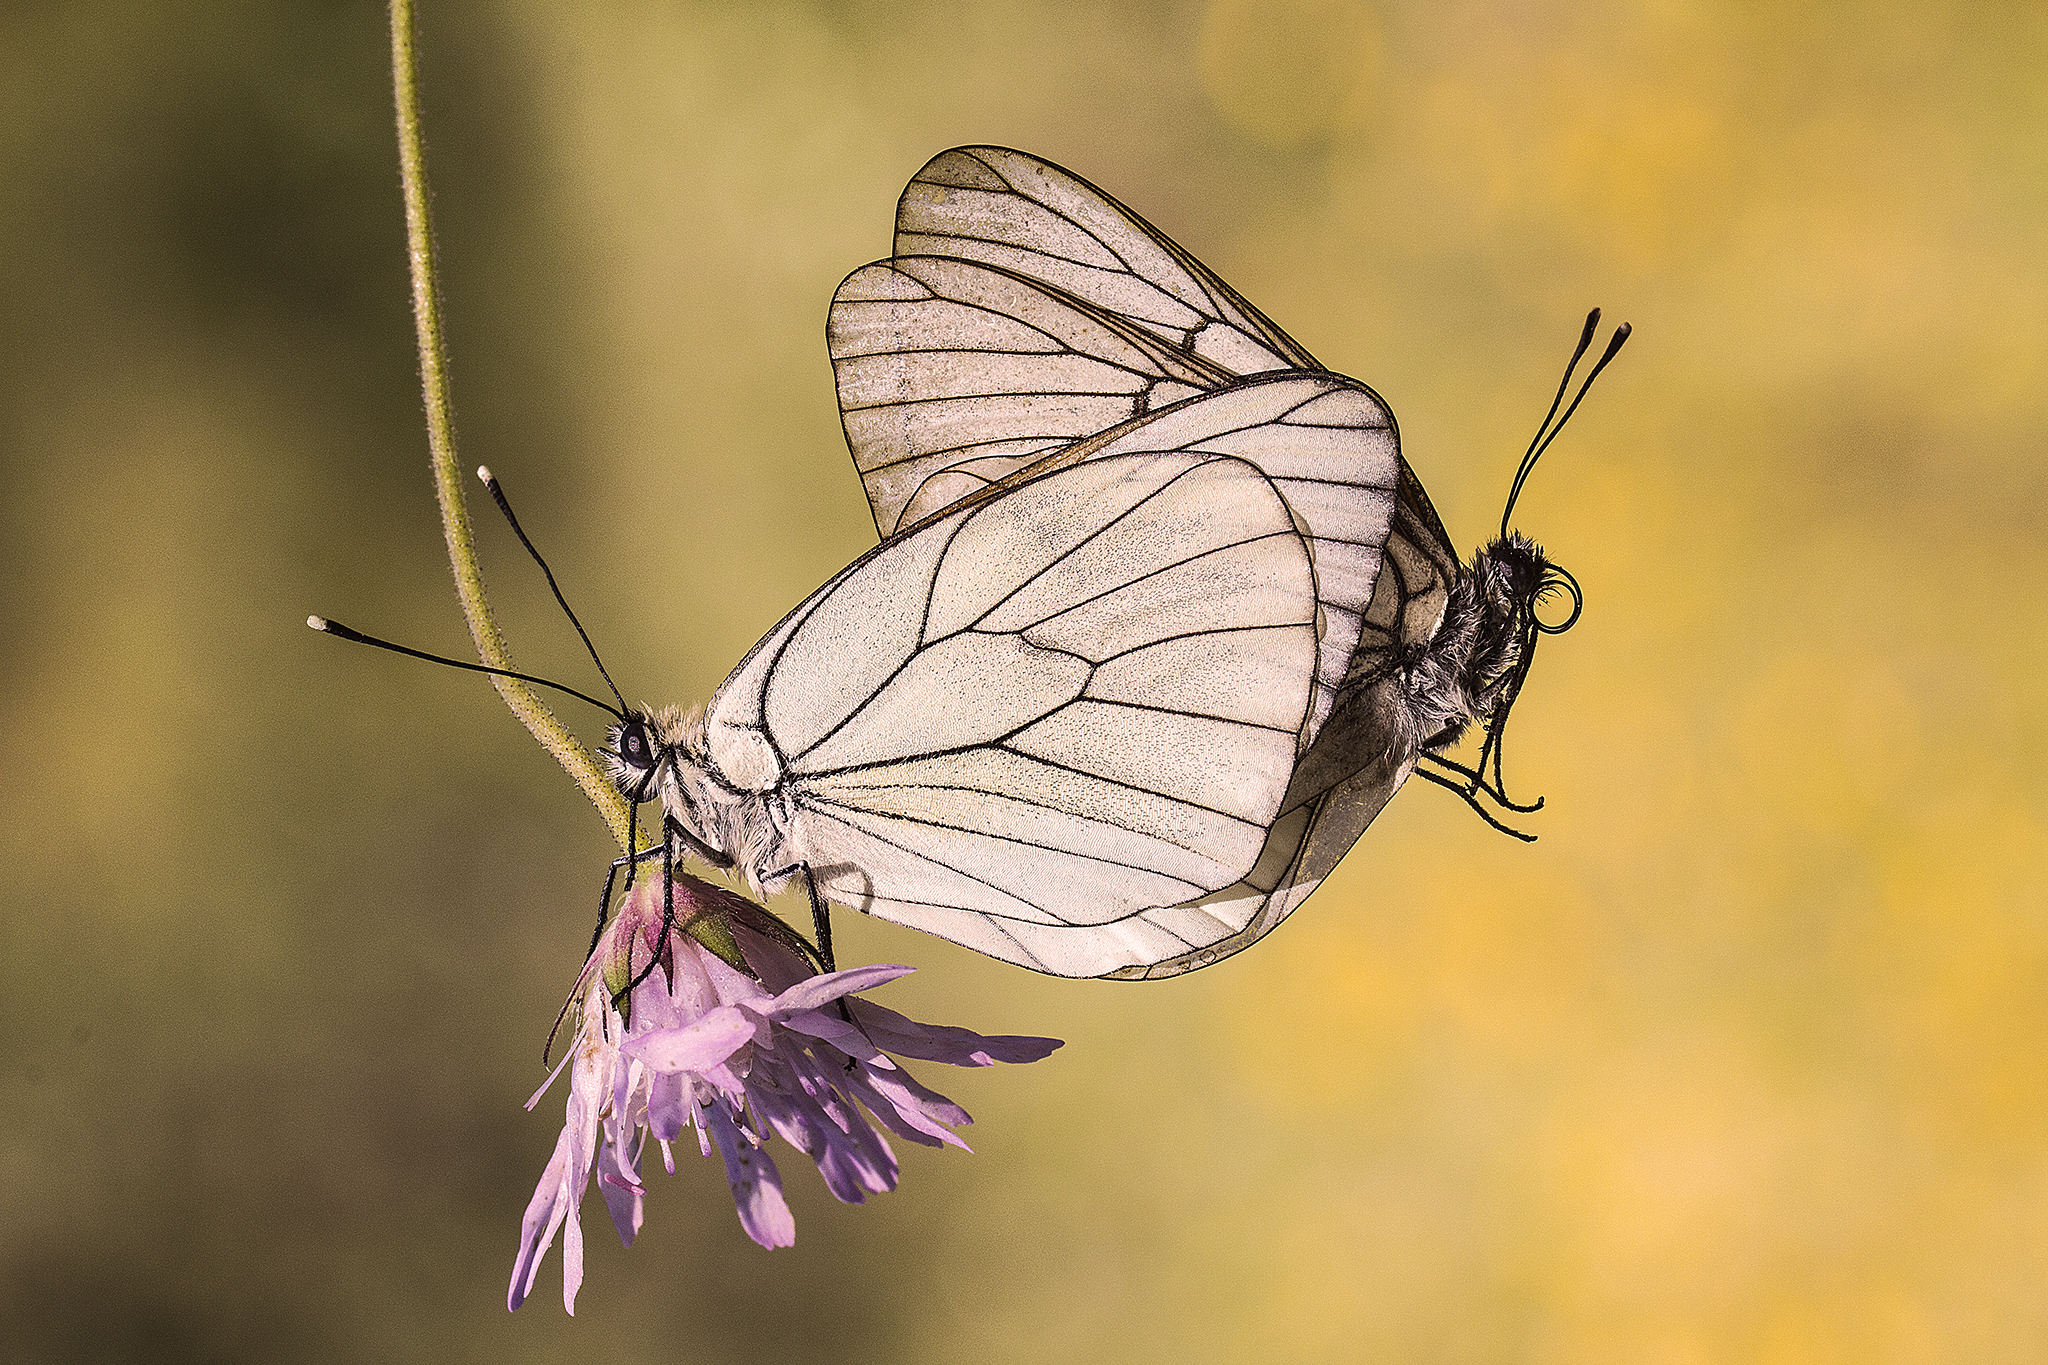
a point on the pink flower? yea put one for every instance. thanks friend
(740, 1056)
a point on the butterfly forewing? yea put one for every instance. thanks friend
(931, 421)
(1008, 209)
(931, 355)
(1044, 714)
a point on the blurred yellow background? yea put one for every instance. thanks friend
(1746, 1060)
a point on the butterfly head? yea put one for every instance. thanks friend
(633, 755)
(663, 756)
(1512, 579)
(1518, 564)
(1486, 645)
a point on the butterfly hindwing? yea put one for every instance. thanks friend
(1360, 758)
(1039, 722)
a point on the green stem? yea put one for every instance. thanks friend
(469, 580)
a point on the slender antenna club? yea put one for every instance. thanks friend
(337, 629)
(1546, 433)
(498, 496)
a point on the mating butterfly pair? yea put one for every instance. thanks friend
(1159, 621)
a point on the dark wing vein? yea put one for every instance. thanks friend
(817, 802)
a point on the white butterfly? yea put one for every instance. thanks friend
(1160, 619)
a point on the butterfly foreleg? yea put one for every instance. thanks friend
(667, 850)
(611, 877)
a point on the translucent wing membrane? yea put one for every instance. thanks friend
(1329, 447)
(988, 728)
(950, 368)
(1005, 208)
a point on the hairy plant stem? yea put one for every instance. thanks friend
(541, 722)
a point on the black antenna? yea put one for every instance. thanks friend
(336, 628)
(1540, 442)
(498, 496)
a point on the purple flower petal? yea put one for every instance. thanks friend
(695, 1046)
(730, 986)
(726, 1081)
(944, 1043)
(909, 1090)
(778, 967)
(854, 1163)
(851, 1155)
(756, 1184)
(740, 1061)
(668, 1107)
(534, 1098)
(550, 1204)
(827, 1024)
(928, 1113)
(814, 991)
(572, 1261)
(885, 1112)
(624, 1195)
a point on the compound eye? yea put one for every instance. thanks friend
(633, 746)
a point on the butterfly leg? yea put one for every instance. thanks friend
(1469, 791)
(821, 923)
(604, 900)
(821, 913)
(821, 919)
(667, 850)
(1476, 782)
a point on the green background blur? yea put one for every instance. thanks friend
(1746, 1060)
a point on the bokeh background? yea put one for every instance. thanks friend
(1745, 1060)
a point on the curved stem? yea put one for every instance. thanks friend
(542, 723)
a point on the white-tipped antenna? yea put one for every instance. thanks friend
(1541, 441)
(342, 632)
(498, 496)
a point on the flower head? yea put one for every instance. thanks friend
(732, 1033)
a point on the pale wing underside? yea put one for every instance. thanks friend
(1038, 724)
(1009, 209)
(1360, 759)
(1050, 228)
(1084, 316)
(953, 374)
(1328, 445)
